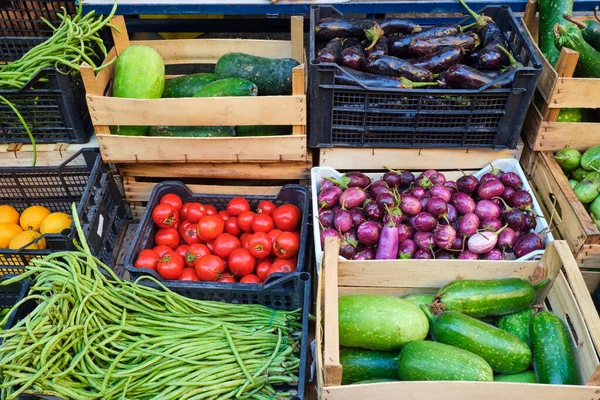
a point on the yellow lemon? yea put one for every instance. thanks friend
(8, 215)
(32, 218)
(7, 232)
(55, 223)
(26, 237)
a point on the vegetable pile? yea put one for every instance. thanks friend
(195, 242)
(471, 330)
(93, 337)
(396, 53)
(400, 216)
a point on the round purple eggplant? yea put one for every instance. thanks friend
(441, 192)
(463, 203)
(418, 192)
(378, 187)
(326, 218)
(425, 222)
(352, 197)
(508, 191)
(437, 207)
(347, 250)
(468, 224)
(386, 199)
(507, 239)
(487, 209)
(451, 216)
(451, 186)
(422, 254)
(444, 236)
(394, 217)
(392, 178)
(368, 233)
(326, 184)
(467, 184)
(468, 255)
(329, 232)
(342, 221)
(492, 255)
(406, 178)
(424, 201)
(444, 255)
(372, 210)
(364, 253)
(522, 200)
(410, 205)
(488, 177)
(491, 224)
(357, 217)
(329, 197)
(530, 220)
(490, 189)
(406, 249)
(459, 243)
(528, 243)
(423, 240)
(515, 219)
(511, 179)
(358, 179)
(403, 232)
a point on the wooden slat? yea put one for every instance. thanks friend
(565, 68)
(105, 74)
(331, 352)
(50, 154)
(299, 88)
(591, 279)
(575, 92)
(297, 38)
(120, 36)
(89, 79)
(547, 80)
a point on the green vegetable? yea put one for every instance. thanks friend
(595, 208)
(553, 356)
(551, 13)
(505, 352)
(375, 381)
(431, 361)
(523, 377)
(588, 65)
(420, 298)
(593, 176)
(263, 130)
(379, 322)
(590, 29)
(192, 131)
(518, 324)
(586, 190)
(568, 159)
(362, 365)
(578, 174)
(590, 160)
(570, 115)
(228, 87)
(272, 76)
(186, 86)
(573, 183)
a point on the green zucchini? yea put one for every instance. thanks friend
(595, 208)
(431, 361)
(590, 30)
(590, 160)
(192, 131)
(228, 87)
(578, 174)
(273, 76)
(588, 65)
(420, 298)
(517, 324)
(573, 183)
(186, 86)
(379, 322)
(523, 377)
(586, 190)
(570, 115)
(263, 130)
(553, 356)
(503, 351)
(568, 159)
(362, 365)
(551, 13)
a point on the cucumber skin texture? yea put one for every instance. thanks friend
(523, 377)
(186, 86)
(191, 131)
(586, 190)
(553, 356)
(273, 76)
(551, 12)
(570, 115)
(505, 352)
(483, 298)
(420, 298)
(366, 365)
(379, 322)
(229, 87)
(432, 361)
(518, 324)
(129, 130)
(591, 158)
(588, 65)
(263, 130)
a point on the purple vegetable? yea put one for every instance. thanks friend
(347, 250)
(424, 201)
(468, 224)
(418, 192)
(326, 184)
(406, 178)
(387, 249)
(406, 249)
(482, 242)
(329, 232)
(424, 221)
(364, 253)
(468, 255)
(403, 233)
(492, 255)
(437, 207)
(422, 254)
(507, 239)
(444, 255)
(522, 200)
(451, 186)
(329, 197)
(372, 210)
(429, 178)
(357, 217)
(527, 243)
(444, 236)
(358, 179)
(326, 218)
(487, 209)
(368, 233)
(410, 205)
(392, 178)
(463, 203)
(511, 179)
(488, 177)
(440, 192)
(423, 240)
(451, 216)
(515, 219)
(342, 220)
(508, 191)
(379, 187)
(490, 189)
(351, 236)
(394, 215)
(491, 224)
(386, 199)
(411, 231)
(467, 184)
(530, 220)
(352, 197)
(459, 243)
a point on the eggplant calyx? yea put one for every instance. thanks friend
(480, 20)
(513, 61)
(373, 35)
(408, 84)
(342, 182)
(572, 20)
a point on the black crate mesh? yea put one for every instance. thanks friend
(13, 48)
(24, 17)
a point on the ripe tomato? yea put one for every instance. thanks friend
(184, 211)
(188, 232)
(237, 206)
(284, 266)
(173, 200)
(262, 269)
(266, 207)
(286, 245)
(224, 244)
(170, 266)
(252, 279)
(182, 250)
(273, 234)
(194, 212)
(244, 239)
(210, 210)
(165, 216)
(189, 274)
(161, 250)
(232, 227)
(168, 237)
(259, 245)
(287, 217)
(262, 223)
(195, 251)
(241, 262)
(210, 227)
(226, 278)
(211, 245)
(224, 214)
(147, 258)
(208, 268)
(245, 221)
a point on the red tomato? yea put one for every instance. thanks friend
(168, 237)
(253, 279)
(182, 250)
(245, 221)
(173, 200)
(241, 262)
(189, 274)
(286, 245)
(287, 217)
(262, 223)
(211, 245)
(170, 266)
(210, 210)
(232, 227)
(195, 251)
(194, 212)
(161, 250)
(184, 211)
(209, 268)
(273, 234)
(224, 214)
(165, 216)
(224, 244)
(237, 206)
(266, 207)
(146, 259)
(189, 233)
(259, 245)
(262, 269)
(210, 227)
(226, 278)
(244, 239)
(284, 266)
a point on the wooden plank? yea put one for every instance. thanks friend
(575, 92)
(263, 110)
(588, 255)
(89, 79)
(50, 154)
(548, 77)
(565, 68)
(299, 88)
(105, 74)
(297, 38)
(118, 149)
(591, 279)
(331, 353)
(319, 336)
(120, 36)
(529, 16)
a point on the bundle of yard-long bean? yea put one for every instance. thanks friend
(91, 337)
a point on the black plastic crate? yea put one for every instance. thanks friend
(82, 179)
(11, 295)
(359, 116)
(24, 17)
(294, 194)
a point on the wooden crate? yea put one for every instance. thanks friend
(50, 154)
(287, 154)
(567, 297)
(559, 90)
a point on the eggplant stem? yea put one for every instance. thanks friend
(572, 20)
(513, 61)
(465, 27)
(480, 20)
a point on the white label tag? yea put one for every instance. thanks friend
(100, 225)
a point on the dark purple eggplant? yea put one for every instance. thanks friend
(329, 197)
(468, 255)
(378, 187)
(461, 76)
(471, 58)
(364, 253)
(522, 200)
(398, 45)
(393, 66)
(380, 48)
(386, 199)
(420, 47)
(459, 243)
(530, 220)
(422, 254)
(492, 58)
(392, 178)
(353, 57)
(330, 28)
(511, 179)
(407, 249)
(399, 25)
(492, 255)
(350, 42)
(467, 184)
(507, 239)
(329, 232)
(424, 201)
(403, 232)
(451, 216)
(508, 191)
(372, 210)
(332, 52)
(515, 219)
(527, 243)
(439, 60)
(352, 77)
(451, 186)
(357, 179)
(444, 255)
(357, 217)
(326, 218)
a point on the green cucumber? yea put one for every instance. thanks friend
(568, 159)
(505, 352)
(192, 131)
(273, 76)
(570, 115)
(595, 208)
(523, 377)
(551, 13)
(186, 86)
(228, 87)
(482, 298)
(379, 322)
(573, 183)
(586, 190)
(553, 356)
(362, 365)
(590, 29)
(517, 324)
(420, 298)
(263, 130)
(578, 174)
(593, 176)
(588, 65)
(590, 160)
(431, 361)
